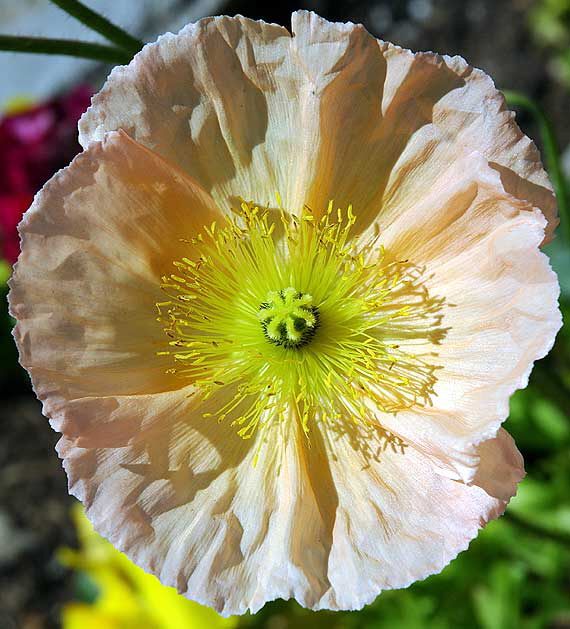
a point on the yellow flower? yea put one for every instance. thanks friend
(278, 305)
(127, 597)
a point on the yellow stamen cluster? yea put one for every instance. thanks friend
(252, 293)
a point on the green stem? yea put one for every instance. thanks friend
(100, 24)
(537, 529)
(551, 152)
(70, 47)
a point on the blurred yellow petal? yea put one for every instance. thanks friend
(171, 611)
(83, 616)
(127, 596)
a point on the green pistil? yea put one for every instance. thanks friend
(289, 318)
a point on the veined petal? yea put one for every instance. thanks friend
(398, 520)
(501, 466)
(249, 111)
(94, 245)
(226, 101)
(156, 448)
(412, 115)
(181, 495)
(480, 249)
(331, 525)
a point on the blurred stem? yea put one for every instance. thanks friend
(69, 47)
(552, 154)
(537, 529)
(96, 22)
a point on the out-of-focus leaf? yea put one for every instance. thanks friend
(497, 603)
(551, 420)
(5, 271)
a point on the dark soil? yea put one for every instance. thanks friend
(34, 519)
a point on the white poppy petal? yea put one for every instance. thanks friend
(223, 101)
(398, 520)
(328, 525)
(480, 249)
(94, 245)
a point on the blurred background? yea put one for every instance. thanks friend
(54, 570)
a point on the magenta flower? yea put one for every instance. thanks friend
(34, 144)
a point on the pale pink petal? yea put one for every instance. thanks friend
(499, 313)
(411, 116)
(225, 101)
(249, 111)
(95, 243)
(331, 525)
(398, 520)
(181, 496)
(501, 467)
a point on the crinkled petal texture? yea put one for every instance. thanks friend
(231, 109)
(94, 245)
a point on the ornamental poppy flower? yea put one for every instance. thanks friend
(278, 305)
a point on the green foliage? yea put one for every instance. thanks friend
(549, 21)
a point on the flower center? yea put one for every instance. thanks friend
(355, 342)
(288, 318)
